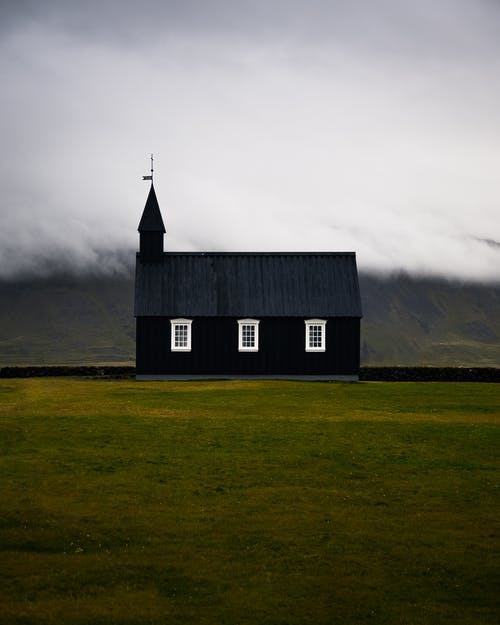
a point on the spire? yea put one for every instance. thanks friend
(151, 220)
(151, 228)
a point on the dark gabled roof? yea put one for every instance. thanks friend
(248, 285)
(151, 220)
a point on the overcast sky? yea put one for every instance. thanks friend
(365, 125)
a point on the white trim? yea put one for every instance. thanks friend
(248, 322)
(322, 324)
(180, 322)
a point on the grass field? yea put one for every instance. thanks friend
(238, 503)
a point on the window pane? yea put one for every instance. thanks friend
(315, 336)
(248, 335)
(181, 335)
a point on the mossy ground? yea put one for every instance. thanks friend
(248, 503)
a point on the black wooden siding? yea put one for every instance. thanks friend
(215, 348)
(151, 246)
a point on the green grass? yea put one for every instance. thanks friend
(245, 503)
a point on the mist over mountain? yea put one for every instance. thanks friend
(371, 126)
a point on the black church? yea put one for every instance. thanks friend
(243, 315)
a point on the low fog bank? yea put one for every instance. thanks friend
(291, 125)
(63, 264)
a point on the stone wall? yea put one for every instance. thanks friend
(67, 371)
(381, 374)
(430, 374)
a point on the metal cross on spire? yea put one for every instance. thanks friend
(151, 176)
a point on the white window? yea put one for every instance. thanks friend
(180, 335)
(248, 335)
(315, 335)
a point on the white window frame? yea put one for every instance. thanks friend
(315, 322)
(180, 322)
(248, 322)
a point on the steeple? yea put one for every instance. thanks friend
(151, 228)
(151, 220)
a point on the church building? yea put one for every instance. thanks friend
(291, 315)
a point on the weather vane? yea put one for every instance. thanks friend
(151, 176)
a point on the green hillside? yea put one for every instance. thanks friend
(407, 321)
(67, 321)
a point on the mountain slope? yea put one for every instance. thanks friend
(411, 321)
(67, 321)
(407, 321)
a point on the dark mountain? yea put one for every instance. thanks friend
(407, 321)
(67, 321)
(416, 321)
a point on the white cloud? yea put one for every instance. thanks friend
(385, 144)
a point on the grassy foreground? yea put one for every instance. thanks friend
(248, 503)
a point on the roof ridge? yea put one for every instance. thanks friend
(192, 253)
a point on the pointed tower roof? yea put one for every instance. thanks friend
(151, 220)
